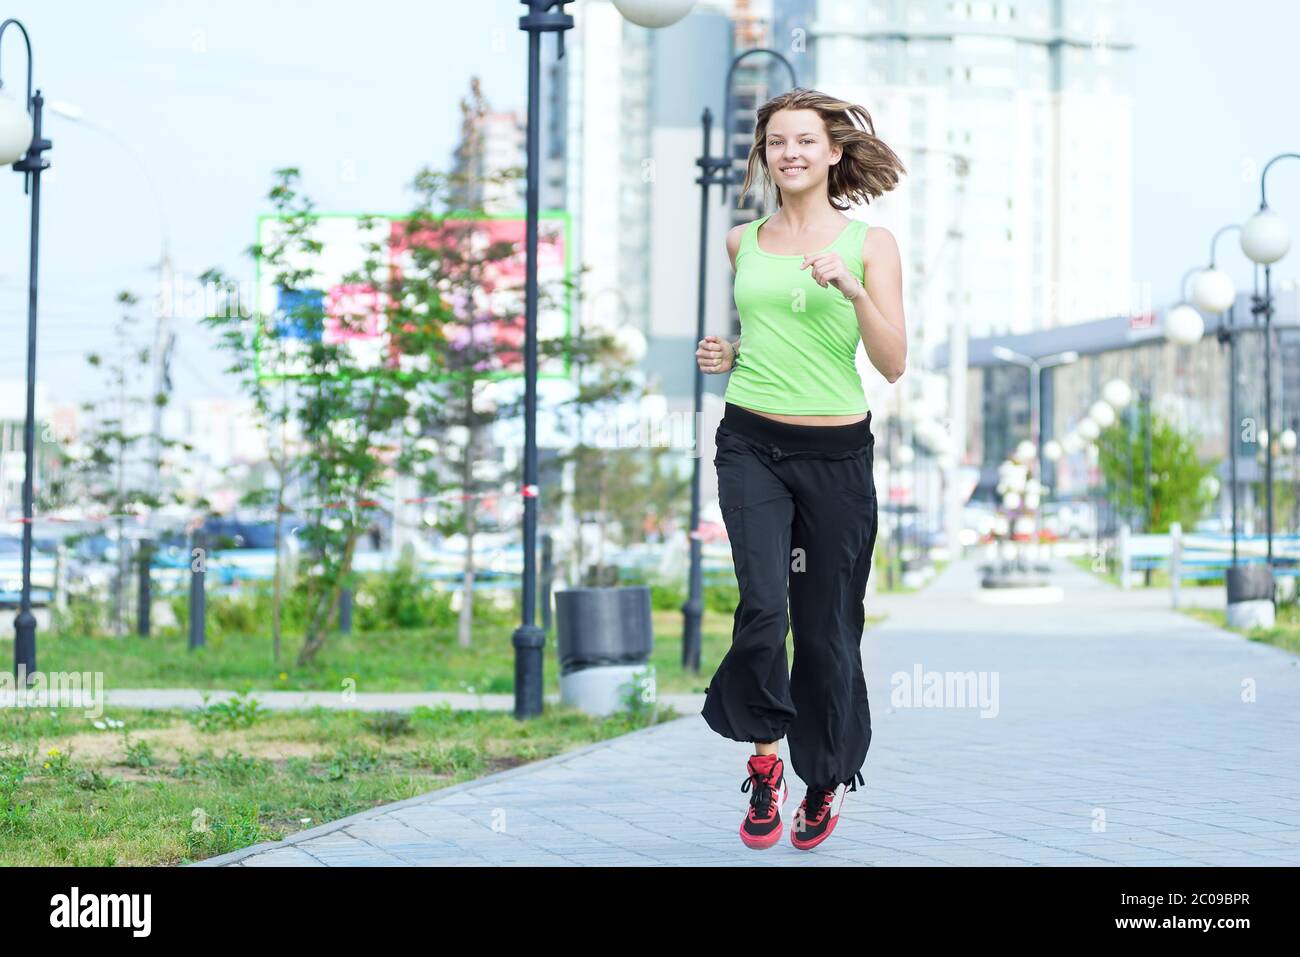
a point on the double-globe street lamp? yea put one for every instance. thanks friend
(1214, 293)
(1035, 367)
(714, 171)
(1265, 239)
(21, 144)
(547, 16)
(1182, 326)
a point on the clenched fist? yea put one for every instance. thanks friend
(828, 269)
(715, 354)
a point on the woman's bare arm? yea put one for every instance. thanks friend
(733, 246)
(715, 354)
(880, 307)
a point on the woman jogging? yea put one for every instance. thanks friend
(794, 456)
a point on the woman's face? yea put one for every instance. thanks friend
(799, 151)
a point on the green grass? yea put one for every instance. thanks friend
(408, 660)
(398, 660)
(882, 582)
(168, 788)
(1284, 634)
(173, 786)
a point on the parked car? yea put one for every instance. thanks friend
(11, 571)
(233, 533)
(1069, 519)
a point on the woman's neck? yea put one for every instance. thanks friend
(806, 213)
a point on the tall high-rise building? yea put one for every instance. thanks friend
(621, 133)
(503, 144)
(1033, 97)
(490, 146)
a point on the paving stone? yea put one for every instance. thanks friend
(1110, 707)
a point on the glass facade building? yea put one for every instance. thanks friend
(1189, 387)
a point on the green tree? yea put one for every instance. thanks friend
(415, 412)
(1178, 492)
(247, 342)
(1284, 502)
(115, 463)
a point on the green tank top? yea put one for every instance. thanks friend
(798, 340)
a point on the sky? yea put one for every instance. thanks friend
(198, 103)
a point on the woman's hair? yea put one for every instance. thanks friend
(867, 169)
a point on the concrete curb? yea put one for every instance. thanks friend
(233, 857)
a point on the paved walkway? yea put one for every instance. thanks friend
(1120, 733)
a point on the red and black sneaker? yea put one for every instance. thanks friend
(766, 782)
(819, 812)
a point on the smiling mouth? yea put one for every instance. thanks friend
(793, 170)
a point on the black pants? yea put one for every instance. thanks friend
(799, 504)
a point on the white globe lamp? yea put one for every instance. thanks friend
(15, 130)
(1184, 325)
(1102, 413)
(1213, 291)
(654, 13)
(1265, 238)
(1117, 393)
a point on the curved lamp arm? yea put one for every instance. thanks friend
(1214, 244)
(1263, 196)
(726, 109)
(1214, 240)
(27, 40)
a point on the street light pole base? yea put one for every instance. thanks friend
(529, 641)
(25, 644)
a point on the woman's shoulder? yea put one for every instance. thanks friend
(735, 235)
(739, 230)
(740, 237)
(877, 242)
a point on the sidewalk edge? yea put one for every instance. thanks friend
(320, 830)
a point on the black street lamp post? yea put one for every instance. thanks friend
(1226, 334)
(714, 171)
(546, 16)
(528, 639)
(1265, 240)
(30, 165)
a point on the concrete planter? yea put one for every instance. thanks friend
(1250, 596)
